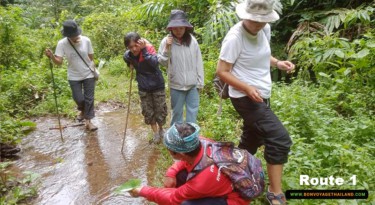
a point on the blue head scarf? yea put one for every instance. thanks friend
(174, 142)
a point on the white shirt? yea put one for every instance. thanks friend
(77, 69)
(250, 56)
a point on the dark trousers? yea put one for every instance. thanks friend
(83, 94)
(262, 127)
(181, 179)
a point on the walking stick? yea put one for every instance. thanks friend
(169, 65)
(127, 114)
(54, 94)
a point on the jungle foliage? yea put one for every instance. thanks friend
(327, 105)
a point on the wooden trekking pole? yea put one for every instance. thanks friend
(170, 49)
(55, 96)
(169, 64)
(127, 113)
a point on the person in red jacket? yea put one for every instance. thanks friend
(181, 184)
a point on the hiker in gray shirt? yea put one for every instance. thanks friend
(80, 77)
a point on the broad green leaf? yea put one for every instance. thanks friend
(364, 15)
(330, 23)
(347, 71)
(339, 54)
(344, 42)
(129, 185)
(370, 44)
(363, 53)
(328, 54)
(342, 16)
(324, 75)
(363, 126)
(339, 81)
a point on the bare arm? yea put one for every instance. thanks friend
(223, 71)
(56, 59)
(91, 56)
(282, 65)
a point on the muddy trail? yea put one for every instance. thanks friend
(88, 166)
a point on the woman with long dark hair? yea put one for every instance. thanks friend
(181, 54)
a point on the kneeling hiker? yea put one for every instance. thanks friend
(183, 185)
(141, 55)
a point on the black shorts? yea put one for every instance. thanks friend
(262, 127)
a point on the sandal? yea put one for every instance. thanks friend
(280, 198)
(161, 133)
(156, 139)
(91, 127)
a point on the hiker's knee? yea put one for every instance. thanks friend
(277, 150)
(249, 145)
(250, 140)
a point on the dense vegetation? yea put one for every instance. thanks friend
(327, 106)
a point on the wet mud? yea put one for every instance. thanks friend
(88, 166)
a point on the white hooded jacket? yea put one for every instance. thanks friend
(185, 69)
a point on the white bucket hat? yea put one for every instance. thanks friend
(257, 10)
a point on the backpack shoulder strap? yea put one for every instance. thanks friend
(204, 162)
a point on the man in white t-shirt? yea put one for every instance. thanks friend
(244, 64)
(80, 76)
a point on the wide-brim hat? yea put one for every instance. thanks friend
(257, 10)
(178, 18)
(71, 29)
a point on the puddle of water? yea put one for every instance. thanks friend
(87, 167)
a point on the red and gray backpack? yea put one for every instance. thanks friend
(244, 170)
